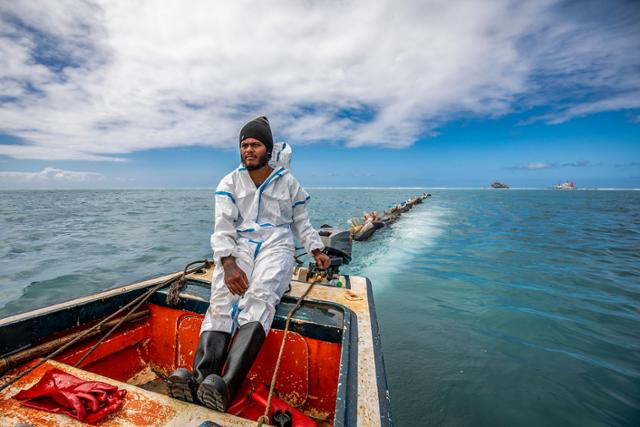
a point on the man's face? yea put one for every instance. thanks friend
(253, 154)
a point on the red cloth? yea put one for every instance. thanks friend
(60, 392)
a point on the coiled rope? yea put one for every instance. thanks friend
(173, 296)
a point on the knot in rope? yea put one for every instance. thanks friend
(173, 296)
(179, 284)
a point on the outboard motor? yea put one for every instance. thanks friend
(337, 245)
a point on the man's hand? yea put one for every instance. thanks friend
(234, 277)
(322, 260)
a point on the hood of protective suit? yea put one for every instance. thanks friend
(281, 156)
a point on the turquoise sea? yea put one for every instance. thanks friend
(496, 307)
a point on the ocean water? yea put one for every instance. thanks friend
(517, 307)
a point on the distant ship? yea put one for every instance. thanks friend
(567, 185)
(499, 185)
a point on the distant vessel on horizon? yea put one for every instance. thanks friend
(567, 185)
(498, 185)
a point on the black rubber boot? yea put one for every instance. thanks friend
(182, 385)
(218, 392)
(211, 354)
(209, 359)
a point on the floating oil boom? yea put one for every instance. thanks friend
(371, 221)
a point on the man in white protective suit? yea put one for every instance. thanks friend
(259, 208)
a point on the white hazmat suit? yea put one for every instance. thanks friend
(257, 226)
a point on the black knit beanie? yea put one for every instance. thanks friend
(259, 129)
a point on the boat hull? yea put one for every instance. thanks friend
(334, 331)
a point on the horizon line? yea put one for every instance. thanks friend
(323, 188)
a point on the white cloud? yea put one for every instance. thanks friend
(627, 165)
(579, 164)
(534, 166)
(50, 175)
(616, 102)
(149, 74)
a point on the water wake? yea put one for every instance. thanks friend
(415, 232)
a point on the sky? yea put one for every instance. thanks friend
(146, 94)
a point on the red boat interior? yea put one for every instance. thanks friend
(145, 352)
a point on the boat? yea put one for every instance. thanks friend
(332, 369)
(497, 184)
(567, 185)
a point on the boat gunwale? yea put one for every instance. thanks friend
(378, 357)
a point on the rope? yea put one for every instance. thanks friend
(137, 302)
(182, 281)
(265, 417)
(173, 296)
